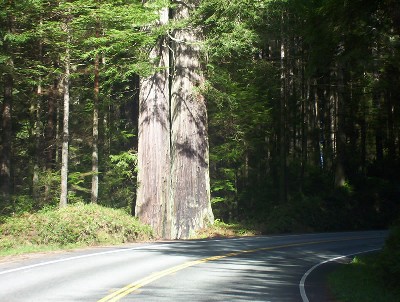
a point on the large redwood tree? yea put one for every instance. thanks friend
(174, 190)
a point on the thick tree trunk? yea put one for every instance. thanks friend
(190, 163)
(65, 138)
(153, 205)
(174, 188)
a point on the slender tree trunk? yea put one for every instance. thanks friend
(6, 113)
(35, 111)
(50, 126)
(282, 122)
(363, 134)
(36, 116)
(153, 205)
(391, 144)
(378, 127)
(304, 122)
(95, 137)
(340, 176)
(65, 138)
(190, 158)
(5, 160)
(50, 138)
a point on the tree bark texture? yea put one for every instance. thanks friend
(65, 138)
(95, 135)
(153, 196)
(174, 187)
(190, 181)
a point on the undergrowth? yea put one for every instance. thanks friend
(78, 224)
(361, 281)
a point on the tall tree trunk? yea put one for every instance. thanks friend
(50, 137)
(153, 205)
(340, 176)
(50, 132)
(189, 154)
(391, 144)
(378, 100)
(282, 120)
(95, 137)
(35, 111)
(5, 159)
(174, 189)
(36, 117)
(65, 138)
(6, 113)
(363, 134)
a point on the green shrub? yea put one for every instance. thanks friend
(360, 281)
(75, 224)
(390, 258)
(119, 181)
(300, 214)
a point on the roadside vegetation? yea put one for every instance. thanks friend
(373, 277)
(76, 225)
(222, 229)
(82, 225)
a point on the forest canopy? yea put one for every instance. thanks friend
(302, 97)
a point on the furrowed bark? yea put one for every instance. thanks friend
(153, 205)
(190, 183)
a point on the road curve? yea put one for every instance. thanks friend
(264, 268)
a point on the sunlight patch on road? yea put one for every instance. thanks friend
(130, 288)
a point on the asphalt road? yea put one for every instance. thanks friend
(265, 268)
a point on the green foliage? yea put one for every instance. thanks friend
(341, 71)
(76, 224)
(389, 263)
(360, 281)
(332, 62)
(301, 214)
(119, 182)
(125, 164)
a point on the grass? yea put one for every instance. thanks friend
(81, 225)
(361, 281)
(76, 225)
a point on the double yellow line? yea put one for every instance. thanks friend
(119, 294)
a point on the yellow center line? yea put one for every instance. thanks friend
(126, 290)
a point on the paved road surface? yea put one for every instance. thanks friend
(265, 268)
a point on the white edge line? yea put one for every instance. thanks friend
(74, 258)
(303, 279)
